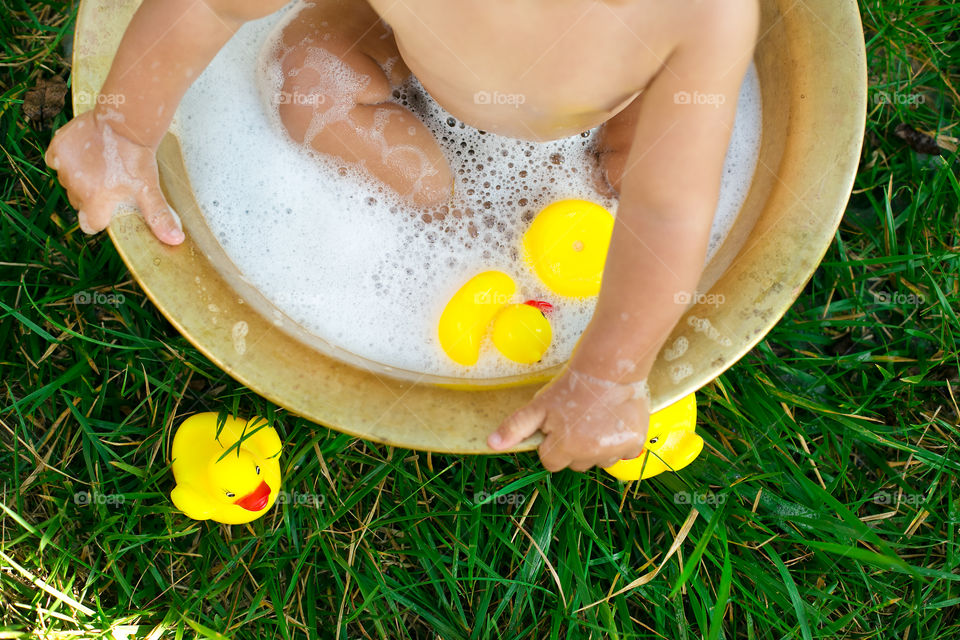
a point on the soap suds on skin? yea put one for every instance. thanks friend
(337, 86)
(616, 439)
(357, 265)
(332, 98)
(115, 173)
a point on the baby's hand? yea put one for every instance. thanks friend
(101, 169)
(586, 422)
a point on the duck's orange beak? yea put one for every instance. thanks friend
(256, 499)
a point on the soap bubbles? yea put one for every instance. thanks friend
(350, 261)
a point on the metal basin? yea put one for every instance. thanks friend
(811, 63)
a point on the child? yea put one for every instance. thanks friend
(630, 65)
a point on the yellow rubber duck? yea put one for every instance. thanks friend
(521, 332)
(234, 488)
(672, 438)
(467, 316)
(566, 246)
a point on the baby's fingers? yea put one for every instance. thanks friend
(158, 215)
(50, 157)
(553, 454)
(93, 214)
(521, 425)
(85, 223)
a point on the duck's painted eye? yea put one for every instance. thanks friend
(654, 440)
(231, 494)
(258, 469)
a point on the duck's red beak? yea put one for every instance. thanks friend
(256, 499)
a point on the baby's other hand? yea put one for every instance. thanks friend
(101, 169)
(586, 422)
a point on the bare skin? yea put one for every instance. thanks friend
(354, 120)
(106, 156)
(585, 63)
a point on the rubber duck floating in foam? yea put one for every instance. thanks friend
(521, 332)
(233, 477)
(672, 439)
(566, 246)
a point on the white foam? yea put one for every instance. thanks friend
(356, 265)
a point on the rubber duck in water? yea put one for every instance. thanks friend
(566, 246)
(234, 488)
(521, 332)
(672, 439)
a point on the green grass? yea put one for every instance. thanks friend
(826, 501)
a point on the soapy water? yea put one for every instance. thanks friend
(354, 264)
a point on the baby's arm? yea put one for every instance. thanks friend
(106, 156)
(669, 186)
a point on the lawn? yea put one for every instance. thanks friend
(825, 504)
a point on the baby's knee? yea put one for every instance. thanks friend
(319, 88)
(403, 153)
(335, 100)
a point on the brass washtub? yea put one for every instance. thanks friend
(812, 67)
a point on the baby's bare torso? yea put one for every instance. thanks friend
(534, 69)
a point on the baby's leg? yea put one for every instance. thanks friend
(335, 58)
